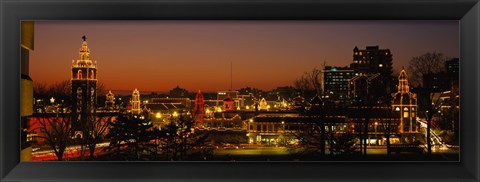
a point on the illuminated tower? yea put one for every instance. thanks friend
(110, 101)
(198, 110)
(405, 105)
(84, 85)
(135, 102)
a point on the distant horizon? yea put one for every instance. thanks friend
(156, 56)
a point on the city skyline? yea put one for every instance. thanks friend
(197, 55)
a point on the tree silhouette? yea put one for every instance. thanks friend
(309, 83)
(344, 144)
(131, 131)
(94, 131)
(57, 130)
(428, 63)
(419, 67)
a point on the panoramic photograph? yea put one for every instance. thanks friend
(240, 91)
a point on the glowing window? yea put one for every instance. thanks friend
(79, 74)
(405, 114)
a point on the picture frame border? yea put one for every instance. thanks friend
(467, 12)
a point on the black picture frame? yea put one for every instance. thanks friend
(467, 12)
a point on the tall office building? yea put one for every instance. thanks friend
(26, 85)
(452, 67)
(335, 82)
(372, 61)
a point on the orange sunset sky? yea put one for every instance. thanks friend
(196, 55)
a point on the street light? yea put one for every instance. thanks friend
(52, 100)
(376, 139)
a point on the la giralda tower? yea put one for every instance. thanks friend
(84, 85)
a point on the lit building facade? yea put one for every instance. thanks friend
(224, 94)
(263, 105)
(110, 100)
(405, 106)
(335, 82)
(371, 61)
(228, 104)
(135, 102)
(84, 87)
(284, 128)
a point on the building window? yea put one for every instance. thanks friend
(405, 114)
(79, 74)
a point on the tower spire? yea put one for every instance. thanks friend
(84, 53)
(403, 82)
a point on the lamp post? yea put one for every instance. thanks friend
(376, 139)
(283, 132)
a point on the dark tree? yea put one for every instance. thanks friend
(61, 91)
(95, 130)
(419, 67)
(309, 83)
(178, 131)
(131, 132)
(344, 144)
(428, 63)
(57, 130)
